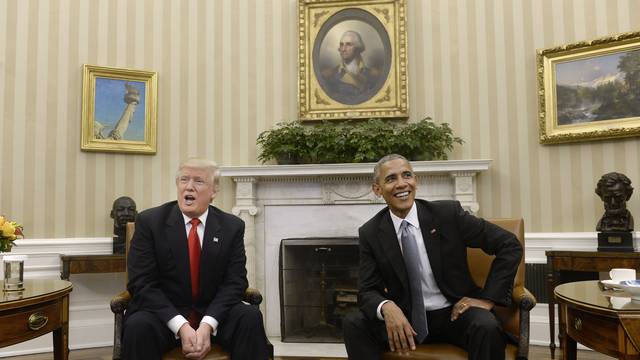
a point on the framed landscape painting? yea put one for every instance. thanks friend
(119, 110)
(590, 90)
(352, 60)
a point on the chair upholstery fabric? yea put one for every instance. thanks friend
(119, 305)
(515, 318)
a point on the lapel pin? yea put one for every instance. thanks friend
(433, 231)
(215, 239)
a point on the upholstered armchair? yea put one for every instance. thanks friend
(119, 305)
(515, 318)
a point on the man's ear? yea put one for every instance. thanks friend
(376, 189)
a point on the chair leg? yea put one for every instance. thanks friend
(523, 342)
(117, 336)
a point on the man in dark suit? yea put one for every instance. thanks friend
(415, 286)
(187, 276)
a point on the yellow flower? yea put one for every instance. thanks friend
(9, 232)
(8, 229)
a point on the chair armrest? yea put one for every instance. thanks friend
(119, 302)
(523, 298)
(525, 302)
(253, 296)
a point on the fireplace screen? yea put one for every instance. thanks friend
(318, 287)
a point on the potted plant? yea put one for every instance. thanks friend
(351, 141)
(286, 143)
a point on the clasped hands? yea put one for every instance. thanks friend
(196, 344)
(401, 334)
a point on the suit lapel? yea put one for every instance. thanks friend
(212, 239)
(177, 238)
(429, 228)
(389, 242)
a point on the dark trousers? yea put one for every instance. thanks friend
(477, 331)
(241, 334)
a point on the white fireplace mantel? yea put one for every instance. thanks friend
(282, 201)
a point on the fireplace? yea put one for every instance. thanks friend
(309, 202)
(318, 287)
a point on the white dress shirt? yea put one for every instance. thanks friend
(433, 298)
(177, 321)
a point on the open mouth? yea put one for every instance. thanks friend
(402, 195)
(189, 199)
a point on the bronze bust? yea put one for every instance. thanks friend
(615, 189)
(122, 212)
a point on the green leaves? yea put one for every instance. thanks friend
(355, 141)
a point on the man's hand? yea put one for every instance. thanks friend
(466, 302)
(399, 329)
(196, 344)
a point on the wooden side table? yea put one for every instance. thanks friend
(42, 307)
(91, 264)
(581, 261)
(605, 321)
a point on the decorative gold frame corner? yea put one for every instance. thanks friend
(89, 140)
(550, 129)
(316, 19)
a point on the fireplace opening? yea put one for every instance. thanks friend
(318, 287)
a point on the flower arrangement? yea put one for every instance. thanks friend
(9, 232)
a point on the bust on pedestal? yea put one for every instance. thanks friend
(122, 212)
(615, 228)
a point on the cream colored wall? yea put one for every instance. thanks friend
(227, 71)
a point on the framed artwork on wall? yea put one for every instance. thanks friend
(352, 60)
(119, 110)
(590, 90)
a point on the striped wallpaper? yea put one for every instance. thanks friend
(227, 71)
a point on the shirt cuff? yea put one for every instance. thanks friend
(176, 323)
(379, 311)
(212, 322)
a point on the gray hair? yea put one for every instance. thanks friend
(358, 43)
(200, 163)
(385, 159)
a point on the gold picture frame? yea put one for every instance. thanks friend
(373, 83)
(119, 110)
(589, 90)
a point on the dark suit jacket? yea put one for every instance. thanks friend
(158, 264)
(383, 274)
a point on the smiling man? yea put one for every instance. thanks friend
(414, 283)
(187, 276)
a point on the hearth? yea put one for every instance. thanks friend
(318, 287)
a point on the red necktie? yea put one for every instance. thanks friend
(194, 267)
(194, 257)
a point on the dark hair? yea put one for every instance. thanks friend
(384, 159)
(610, 179)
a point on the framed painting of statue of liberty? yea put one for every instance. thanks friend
(352, 59)
(119, 110)
(590, 90)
